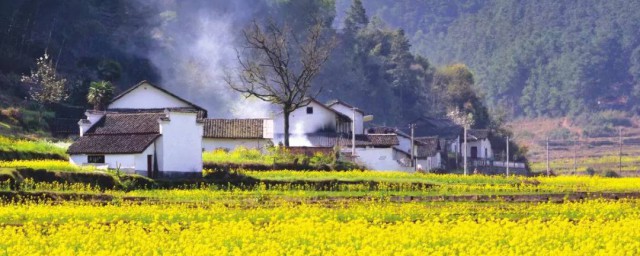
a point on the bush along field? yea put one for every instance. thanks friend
(273, 158)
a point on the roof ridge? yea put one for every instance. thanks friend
(114, 134)
(159, 88)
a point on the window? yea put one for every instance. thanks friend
(96, 159)
(309, 110)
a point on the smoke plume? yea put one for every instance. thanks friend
(193, 45)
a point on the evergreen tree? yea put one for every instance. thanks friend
(356, 19)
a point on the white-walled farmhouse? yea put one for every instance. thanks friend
(350, 111)
(315, 118)
(145, 130)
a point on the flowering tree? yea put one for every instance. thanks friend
(466, 121)
(45, 86)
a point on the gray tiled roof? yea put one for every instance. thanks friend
(427, 146)
(119, 133)
(117, 123)
(344, 140)
(112, 144)
(233, 128)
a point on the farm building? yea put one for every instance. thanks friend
(316, 119)
(150, 131)
(146, 130)
(350, 111)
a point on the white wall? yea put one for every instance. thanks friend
(128, 163)
(147, 97)
(302, 123)
(481, 145)
(404, 144)
(267, 129)
(210, 144)
(431, 162)
(93, 117)
(349, 112)
(379, 159)
(141, 159)
(181, 144)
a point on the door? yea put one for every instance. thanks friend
(474, 152)
(150, 166)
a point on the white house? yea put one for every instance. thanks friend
(314, 119)
(428, 153)
(351, 112)
(146, 130)
(478, 144)
(376, 152)
(152, 144)
(231, 133)
(426, 150)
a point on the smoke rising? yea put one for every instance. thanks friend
(194, 43)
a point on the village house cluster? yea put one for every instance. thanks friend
(151, 131)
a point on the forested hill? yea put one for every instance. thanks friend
(398, 60)
(544, 57)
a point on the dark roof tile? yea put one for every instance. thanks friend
(116, 123)
(112, 144)
(234, 128)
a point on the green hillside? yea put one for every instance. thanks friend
(532, 58)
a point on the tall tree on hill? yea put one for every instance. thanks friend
(279, 68)
(455, 84)
(356, 18)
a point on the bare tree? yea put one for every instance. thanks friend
(278, 68)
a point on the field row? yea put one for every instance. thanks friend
(586, 228)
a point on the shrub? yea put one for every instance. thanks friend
(321, 159)
(100, 180)
(611, 174)
(559, 134)
(133, 181)
(590, 171)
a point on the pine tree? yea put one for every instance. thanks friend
(356, 19)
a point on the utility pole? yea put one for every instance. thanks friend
(464, 152)
(507, 156)
(413, 163)
(353, 134)
(620, 151)
(548, 170)
(575, 158)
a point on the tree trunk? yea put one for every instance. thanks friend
(286, 128)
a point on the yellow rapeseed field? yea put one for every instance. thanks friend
(595, 227)
(52, 165)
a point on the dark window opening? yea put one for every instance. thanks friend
(96, 159)
(309, 110)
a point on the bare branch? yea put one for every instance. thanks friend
(276, 67)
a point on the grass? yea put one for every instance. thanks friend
(27, 149)
(245, 157)
(240, 155)
(610, 162)
(51, 165)
(303, 186)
